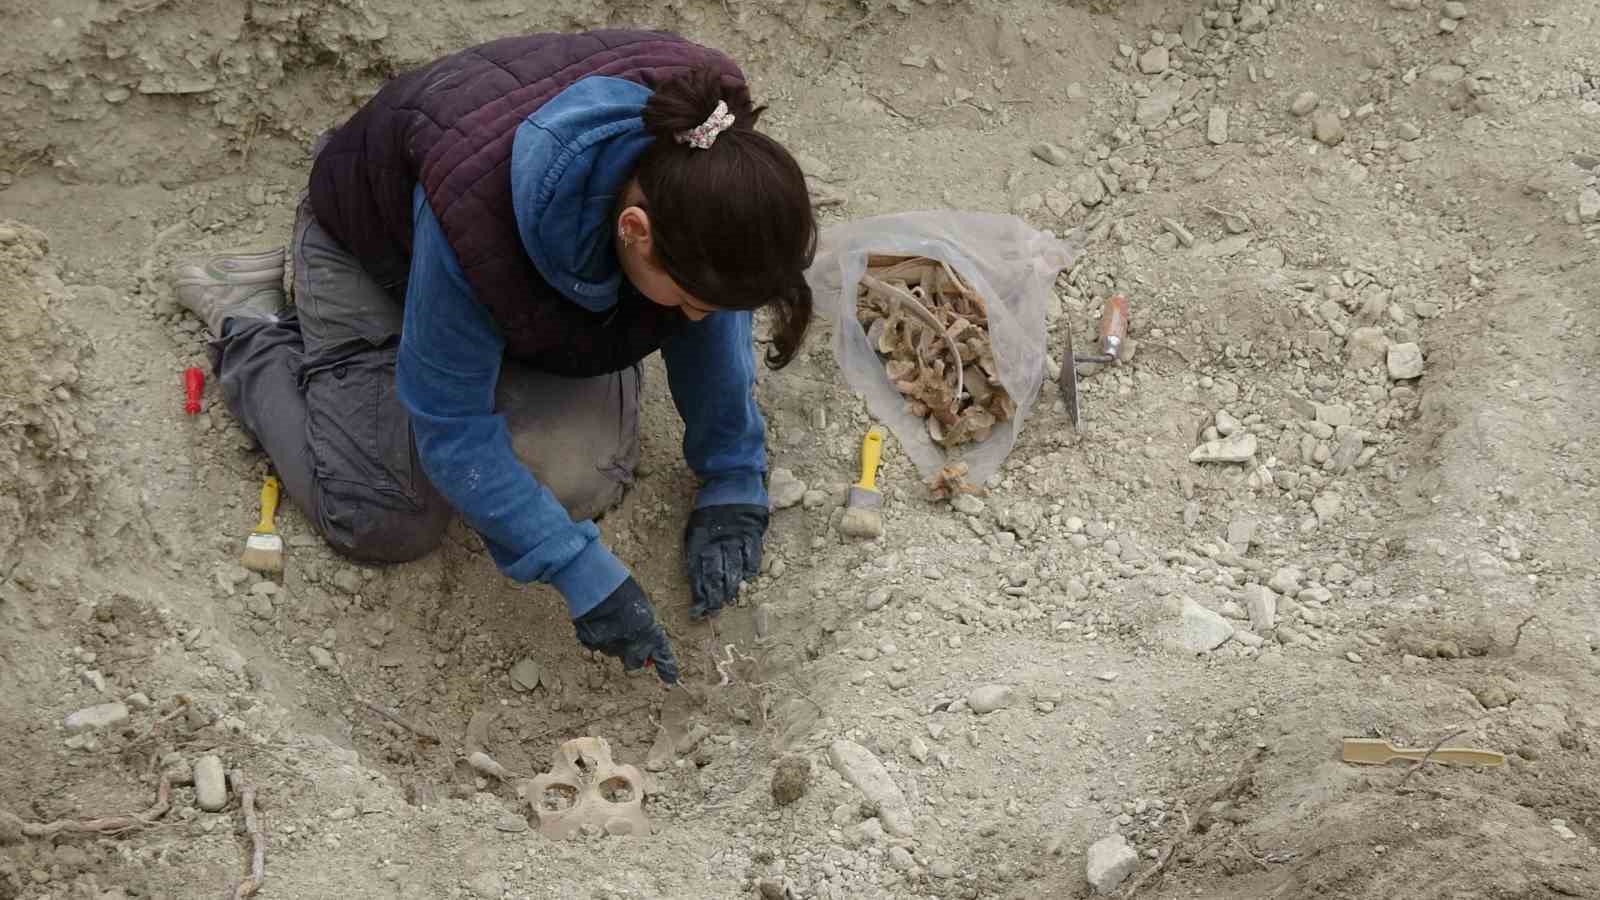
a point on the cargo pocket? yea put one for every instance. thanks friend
(360, 433)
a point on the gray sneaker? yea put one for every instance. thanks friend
(217, 288)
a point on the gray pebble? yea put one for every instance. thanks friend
(989, 698)
(210, 786)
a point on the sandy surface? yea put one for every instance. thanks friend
(1426, 542)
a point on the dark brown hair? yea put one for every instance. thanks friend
(732, 224)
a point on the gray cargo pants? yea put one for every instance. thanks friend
(317, 390)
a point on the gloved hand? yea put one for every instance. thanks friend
(722, 546)
(624, 625)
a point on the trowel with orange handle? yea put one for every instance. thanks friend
(1113, 331)
(1378, 752)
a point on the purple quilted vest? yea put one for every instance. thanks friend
(450, 125)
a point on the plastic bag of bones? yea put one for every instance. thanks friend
(931, 331)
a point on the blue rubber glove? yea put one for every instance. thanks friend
(624, 625)
(722, 548)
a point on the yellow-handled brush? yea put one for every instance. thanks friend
(263, 549)
(863, 514)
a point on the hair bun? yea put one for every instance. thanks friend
(687, 100)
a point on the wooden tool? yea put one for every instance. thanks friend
(1376, 752)
(263, 549)
(1113, 331)
(863, 514)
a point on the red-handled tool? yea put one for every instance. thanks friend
(194, 384)
(1113, 330)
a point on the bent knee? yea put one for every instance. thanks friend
(378, 528)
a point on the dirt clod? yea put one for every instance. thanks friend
(790, 779)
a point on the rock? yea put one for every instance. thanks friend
(1446, 73)
(1201, 630)
(138, 700)
(1236, 448)
(784, 490)
(95, 679)
(1326, 506)
(94, 718)
(1366, 347)
(1334, 415)
(1155, 60)
(1454, 10)
(1262, 604)
(990, 697)
(1052, 154)
(1286, 581)
(1110, 861)
(790, 779)
(1405, 361)
(967, 504)
(1352, 443)
(1088, 187)
(901, 859)
(1217, 125)
(525, 674)
(511, 823)
(878, 598)
(1406, 131)
(866, 833)
(1241, 533)
(1327, 128)
(320, 657)
(261, 606)
(1304, 103)
(210, 785)
(1156, 108)
(859, 767)
(1589, 206)
(1227, 425)
(1194, 31)
(1253, 19)
(347, 580)
(918, 748)
(1493, 696)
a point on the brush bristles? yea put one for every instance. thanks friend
(263, 553)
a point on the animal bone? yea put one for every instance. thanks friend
(932, 332)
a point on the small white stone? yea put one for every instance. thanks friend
(1110, 861)
(1405, 361)
(96, 717)
(210, 787)
(990, 697)
(785, 490)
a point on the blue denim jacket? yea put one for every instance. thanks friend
(569, 161)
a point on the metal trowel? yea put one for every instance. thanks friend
(1113, 330)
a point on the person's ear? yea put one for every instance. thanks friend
(633, 226)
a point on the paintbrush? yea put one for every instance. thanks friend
(263, 549)
(863, 514)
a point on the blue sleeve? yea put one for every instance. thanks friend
(449, 364)
(711, 370)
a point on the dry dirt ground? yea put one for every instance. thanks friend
(1425, 544)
